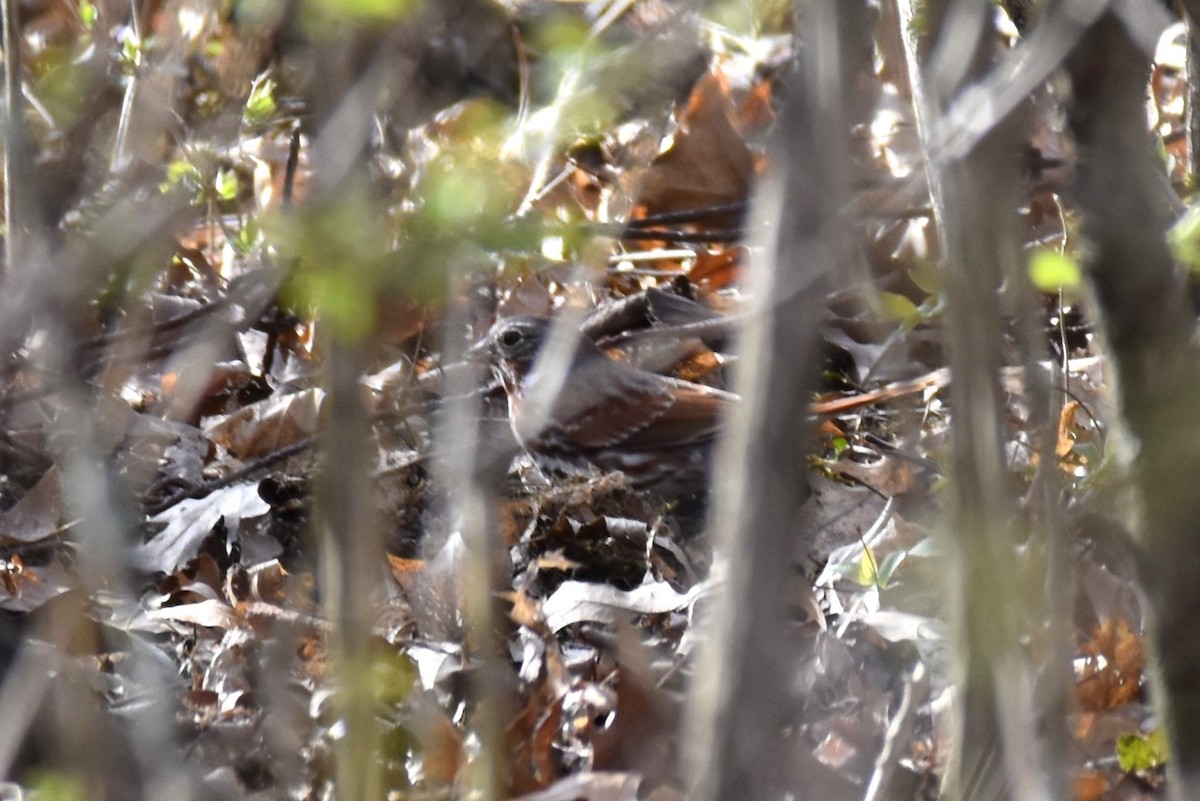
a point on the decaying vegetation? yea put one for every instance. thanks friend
(266, 531)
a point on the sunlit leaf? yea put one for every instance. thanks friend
(1053, 271)
(927, 276)
(1139, 753)
(133, 49)
(247, 236)
(260, 105)
(900, 309)
(317, 13)
(226, 184)
(862, 571)
(182, 174)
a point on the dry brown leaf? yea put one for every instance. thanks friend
(403, 569)
(1066, 426)
(24, 588)
(1072, 432)
(530, 736)
(755, 113)
(541, 744)
(15, 576)
(270, 425)
(555, 560)
(1112, 673)
(1090, 786)
(709, 164)
(717, 269)
(526, 611)
(441, 740)
(699, 365)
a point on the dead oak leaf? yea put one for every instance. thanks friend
(709, 163)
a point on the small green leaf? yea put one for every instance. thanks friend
(367, 11)
(178, 171)
(900, 309)
(87, 14)
(226, 184)
(887, 569)
(260, 105)
(1184, 238)
(247, 236)
(1052, 271)
(133, 50)
(1138, 753)
(926, 548)
(861, 571)
(182, 174)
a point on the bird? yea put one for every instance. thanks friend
(572, 406)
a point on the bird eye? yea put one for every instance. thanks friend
(510, 339)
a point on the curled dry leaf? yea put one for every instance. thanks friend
(268, 426)
(577, 601)
(594, 786)
(212, 613)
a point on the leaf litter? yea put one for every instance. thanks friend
(606, 596)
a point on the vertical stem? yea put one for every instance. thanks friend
(14, 139)
(744, 696)
(352, 555)
(975, 199)
(1149, 328)
(1192, 101)
(472, 474)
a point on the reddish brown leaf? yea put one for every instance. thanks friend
(270, 425)
(1112, 673)
(709, 164)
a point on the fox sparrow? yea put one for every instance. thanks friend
(657, 430)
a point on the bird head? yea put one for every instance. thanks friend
(515, 341)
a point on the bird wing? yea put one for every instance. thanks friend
(694, 418)
(623, 407)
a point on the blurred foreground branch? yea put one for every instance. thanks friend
(1149, 327)
(744, 696)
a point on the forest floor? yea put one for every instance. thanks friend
(167, 582)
